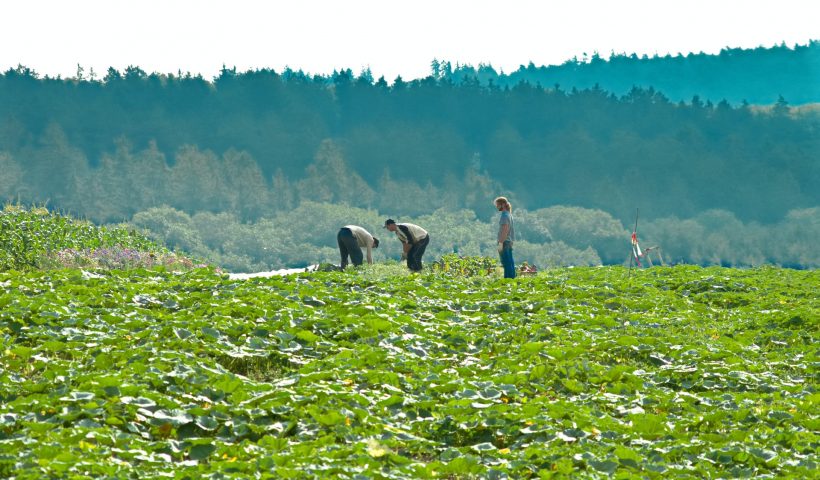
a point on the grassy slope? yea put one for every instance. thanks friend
(681, 371)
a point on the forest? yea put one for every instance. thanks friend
(258, 169)
(754, 76)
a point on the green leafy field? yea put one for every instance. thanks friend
(676, 372)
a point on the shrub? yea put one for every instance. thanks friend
(454, 264)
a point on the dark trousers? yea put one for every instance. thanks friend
(348, 245)
(415, 253)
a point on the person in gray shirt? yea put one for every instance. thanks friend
(506, 236)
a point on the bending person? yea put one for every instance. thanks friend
(414, 240)
(351, 239)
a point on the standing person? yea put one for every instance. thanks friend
(414, 240)
(351, 239)
(506, 236)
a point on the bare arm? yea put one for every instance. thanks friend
(369, 257)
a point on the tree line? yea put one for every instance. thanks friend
(762, 75)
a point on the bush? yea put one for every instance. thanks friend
(453, 264)
(579, 228)
(555, 254)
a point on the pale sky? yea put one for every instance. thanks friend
(391, 38)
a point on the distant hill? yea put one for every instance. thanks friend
(756, 76)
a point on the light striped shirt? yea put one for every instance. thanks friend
(416, 233)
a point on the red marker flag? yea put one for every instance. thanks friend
(636, 249)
